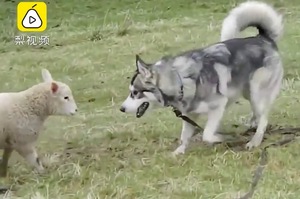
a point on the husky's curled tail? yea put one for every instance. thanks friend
(255, 14)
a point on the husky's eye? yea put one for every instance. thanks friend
(135, 92)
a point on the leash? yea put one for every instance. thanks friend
(264, 155)
(178, 113)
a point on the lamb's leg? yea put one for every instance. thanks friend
(31, 156)
(4, 163)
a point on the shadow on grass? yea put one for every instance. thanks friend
(233, 141)
(238, 144)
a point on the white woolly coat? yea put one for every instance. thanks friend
(23, 114)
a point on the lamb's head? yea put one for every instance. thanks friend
(61, 99)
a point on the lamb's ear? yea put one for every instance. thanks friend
(143, 68)
(46, 75)
(54, 87)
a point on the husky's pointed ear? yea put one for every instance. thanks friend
(142, 67)
(46, 75)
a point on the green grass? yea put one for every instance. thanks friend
(103, 153)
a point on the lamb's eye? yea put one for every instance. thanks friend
(66, 98)
(135, 92)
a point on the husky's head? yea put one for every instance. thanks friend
(143, 90)
(152, 86)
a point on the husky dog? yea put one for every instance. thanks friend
(208, 80)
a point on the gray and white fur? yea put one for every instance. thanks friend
(215, 76)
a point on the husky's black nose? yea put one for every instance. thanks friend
(122, 109)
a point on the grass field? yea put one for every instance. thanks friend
(103, 153)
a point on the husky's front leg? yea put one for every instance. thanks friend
(213, 121)
(186, 134)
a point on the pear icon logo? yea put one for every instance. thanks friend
(32, 19)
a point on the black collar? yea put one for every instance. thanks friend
(178, 113)
(166, 102)
(167, 99)
(181, 94)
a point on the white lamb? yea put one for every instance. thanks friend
(23, 114)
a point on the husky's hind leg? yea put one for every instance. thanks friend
(261, 110)
(253, 121)
(264, 88)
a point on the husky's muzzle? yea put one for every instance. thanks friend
(142, 109)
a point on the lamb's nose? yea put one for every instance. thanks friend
(122, 109)
(75, 110)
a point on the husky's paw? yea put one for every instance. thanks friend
(40, 170)
(253, 123)
(254, 142)
(213, 138)
(179, 150)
